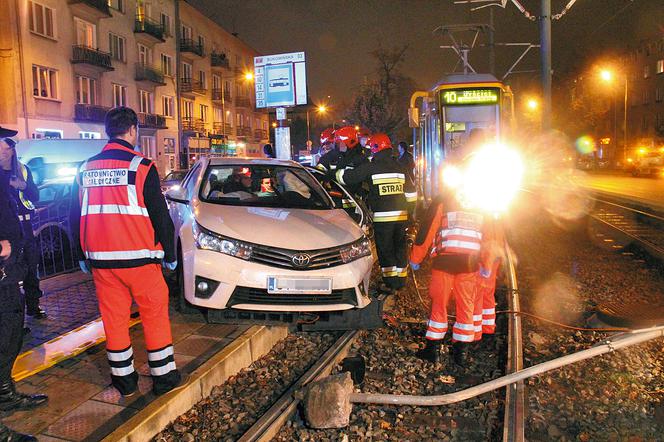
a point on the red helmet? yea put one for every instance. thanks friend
(347, 135)
(379, 142)
(327, 136)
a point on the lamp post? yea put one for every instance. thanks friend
(607, 76)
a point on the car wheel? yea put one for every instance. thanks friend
(184, 306)
(635, 173)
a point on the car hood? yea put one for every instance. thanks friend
(295, 229)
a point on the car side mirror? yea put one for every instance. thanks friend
(178, 194)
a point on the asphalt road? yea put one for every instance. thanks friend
(649, 191)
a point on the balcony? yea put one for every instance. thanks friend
(190, 47)
(217, 95)
(260, 134)
(90, 113)
(221, 128)
(151, 121)
(149, 73)
(148, 30)
(243, 131)
(193, 125)
(189, 86)
(94, 9)
(243, 102)
(219, 60)
(92, 57)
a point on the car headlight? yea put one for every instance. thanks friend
(356, 250)
(206, 240)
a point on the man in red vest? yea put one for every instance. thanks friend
(124, 234)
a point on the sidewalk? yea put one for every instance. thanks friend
(70, 302)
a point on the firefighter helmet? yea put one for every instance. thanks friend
(379, 142)
(347, 135)
(327, 136)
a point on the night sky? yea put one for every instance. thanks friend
(337, 36)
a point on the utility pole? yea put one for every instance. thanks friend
(492, 45)
(545, 52)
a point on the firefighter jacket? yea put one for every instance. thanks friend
(391, 195)
(451, 235)
(330, 160)
(122, 218)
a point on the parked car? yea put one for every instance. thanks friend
(261, 240)
(649, 163)
(174, 177)
(51, 226)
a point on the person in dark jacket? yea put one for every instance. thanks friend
(124, 235)
(12, 270)
(268, 150)
(25, 192)
(406, 160)
(391, 198)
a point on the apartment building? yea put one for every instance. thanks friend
(75, 59)
(645, 92)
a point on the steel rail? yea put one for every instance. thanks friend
(513, 423)
(269, 424)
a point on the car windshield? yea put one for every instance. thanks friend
(263, 185)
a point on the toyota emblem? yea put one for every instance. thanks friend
(301, 260)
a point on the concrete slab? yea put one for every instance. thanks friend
(195, 345)
(83, 420)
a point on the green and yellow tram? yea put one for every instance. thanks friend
(447, 115)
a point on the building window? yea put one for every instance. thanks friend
(227, 89)
(42, 19)
(119, 95)
(644, 124)
(117, 47)
(144, 55)
(86, 33)
(167, 106)
(186, 32)
(118, 5)
(86, 90)
(44, 82)
(216, 82)
(646, 97)
(167, 65)
(646, 71)
(204, 112)
(202, 79)
(658, 95)
(217, 114)
(201, 42)
(187, 109)
(660, 66)
(89, 135)
(166, 24)
(186, 71)
(169, 145)
(54, 134)
(148, 147)
(240, 120)
(145, 102)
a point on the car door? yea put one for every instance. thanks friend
(342, 197)
(181, 210)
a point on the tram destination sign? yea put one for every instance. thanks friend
(470, 96)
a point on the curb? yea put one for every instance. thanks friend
(239, 354)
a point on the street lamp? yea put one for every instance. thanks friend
(532, 104)
(607, 76)
(321, 110)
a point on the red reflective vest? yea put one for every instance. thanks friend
(115, 228)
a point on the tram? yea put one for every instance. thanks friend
(447, 114)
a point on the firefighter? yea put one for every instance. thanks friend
(391, 198)
(25, 193)
(123, 232)
(12, 270)
(328, 161)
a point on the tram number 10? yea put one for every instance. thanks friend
(450, 97)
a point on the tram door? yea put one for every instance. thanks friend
(431, 152)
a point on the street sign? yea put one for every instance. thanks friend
(280, 80)
(281, 113)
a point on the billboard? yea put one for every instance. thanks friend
(280, 80)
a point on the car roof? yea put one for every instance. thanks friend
(232, 161)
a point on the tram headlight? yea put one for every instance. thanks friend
(492, 178)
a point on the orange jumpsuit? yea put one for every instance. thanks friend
(451, 236)
(493, 246)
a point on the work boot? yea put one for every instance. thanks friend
(36, 311)
(9, 435)
(430, 352)
(12, 400)
(460, 353)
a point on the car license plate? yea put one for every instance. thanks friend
(276, 285)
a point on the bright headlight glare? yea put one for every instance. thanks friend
(452, 177)
(356, 250)
(492, 178)
(208, 241)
